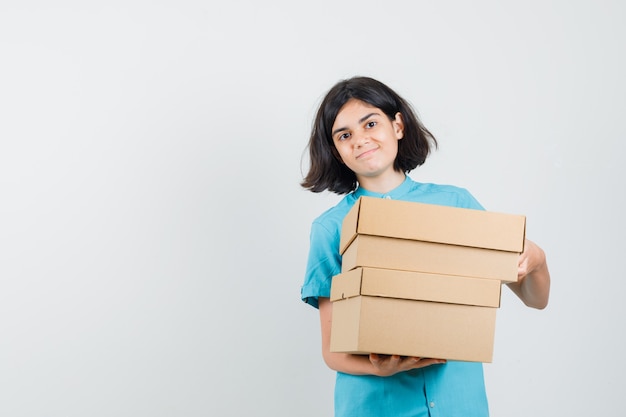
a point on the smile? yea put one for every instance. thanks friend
(366, 153)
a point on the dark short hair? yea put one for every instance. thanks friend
(326, 171)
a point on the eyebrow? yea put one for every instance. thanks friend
(361, 120)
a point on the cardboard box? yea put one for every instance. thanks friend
(433, 223)
(416, 286)
(365, 324)
(422, 280)
(419, 256)
(399, 312)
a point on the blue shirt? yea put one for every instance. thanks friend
(447, 390)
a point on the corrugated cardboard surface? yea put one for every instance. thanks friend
(434, 223)
(416, 286)
(420, 256)
(365, 324)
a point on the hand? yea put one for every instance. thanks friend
(533, 278)
(532, 258)
(388, 365)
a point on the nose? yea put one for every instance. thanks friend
(360, 138)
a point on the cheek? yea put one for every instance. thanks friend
(396, 145)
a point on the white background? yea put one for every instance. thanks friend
(153, 235)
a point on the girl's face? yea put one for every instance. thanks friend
(367, 141)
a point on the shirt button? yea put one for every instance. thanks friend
(388, 197)
(432, 404)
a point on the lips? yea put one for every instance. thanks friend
(366, 153)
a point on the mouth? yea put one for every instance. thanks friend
(366, 153)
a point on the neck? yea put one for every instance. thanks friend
(382, 185)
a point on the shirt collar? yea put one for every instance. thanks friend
(394, 194)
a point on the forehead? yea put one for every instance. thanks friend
(353, 111)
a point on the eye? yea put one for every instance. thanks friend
(371, 124)
(343, 136)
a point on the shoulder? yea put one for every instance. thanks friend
(442, 194)
(332, 218)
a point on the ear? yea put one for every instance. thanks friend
(398, 126)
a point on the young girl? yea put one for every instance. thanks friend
(364, 141)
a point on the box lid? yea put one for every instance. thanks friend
(433, 223)
(421, 286)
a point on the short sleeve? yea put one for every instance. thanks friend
(467, 200)
(323, 263)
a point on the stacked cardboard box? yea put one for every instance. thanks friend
(422, 280)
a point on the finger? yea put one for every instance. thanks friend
(431, 361)
(378, 359)
(410, 362)
(394, 360)
(424, 362)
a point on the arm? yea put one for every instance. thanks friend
(380, 365)
(533, 277)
